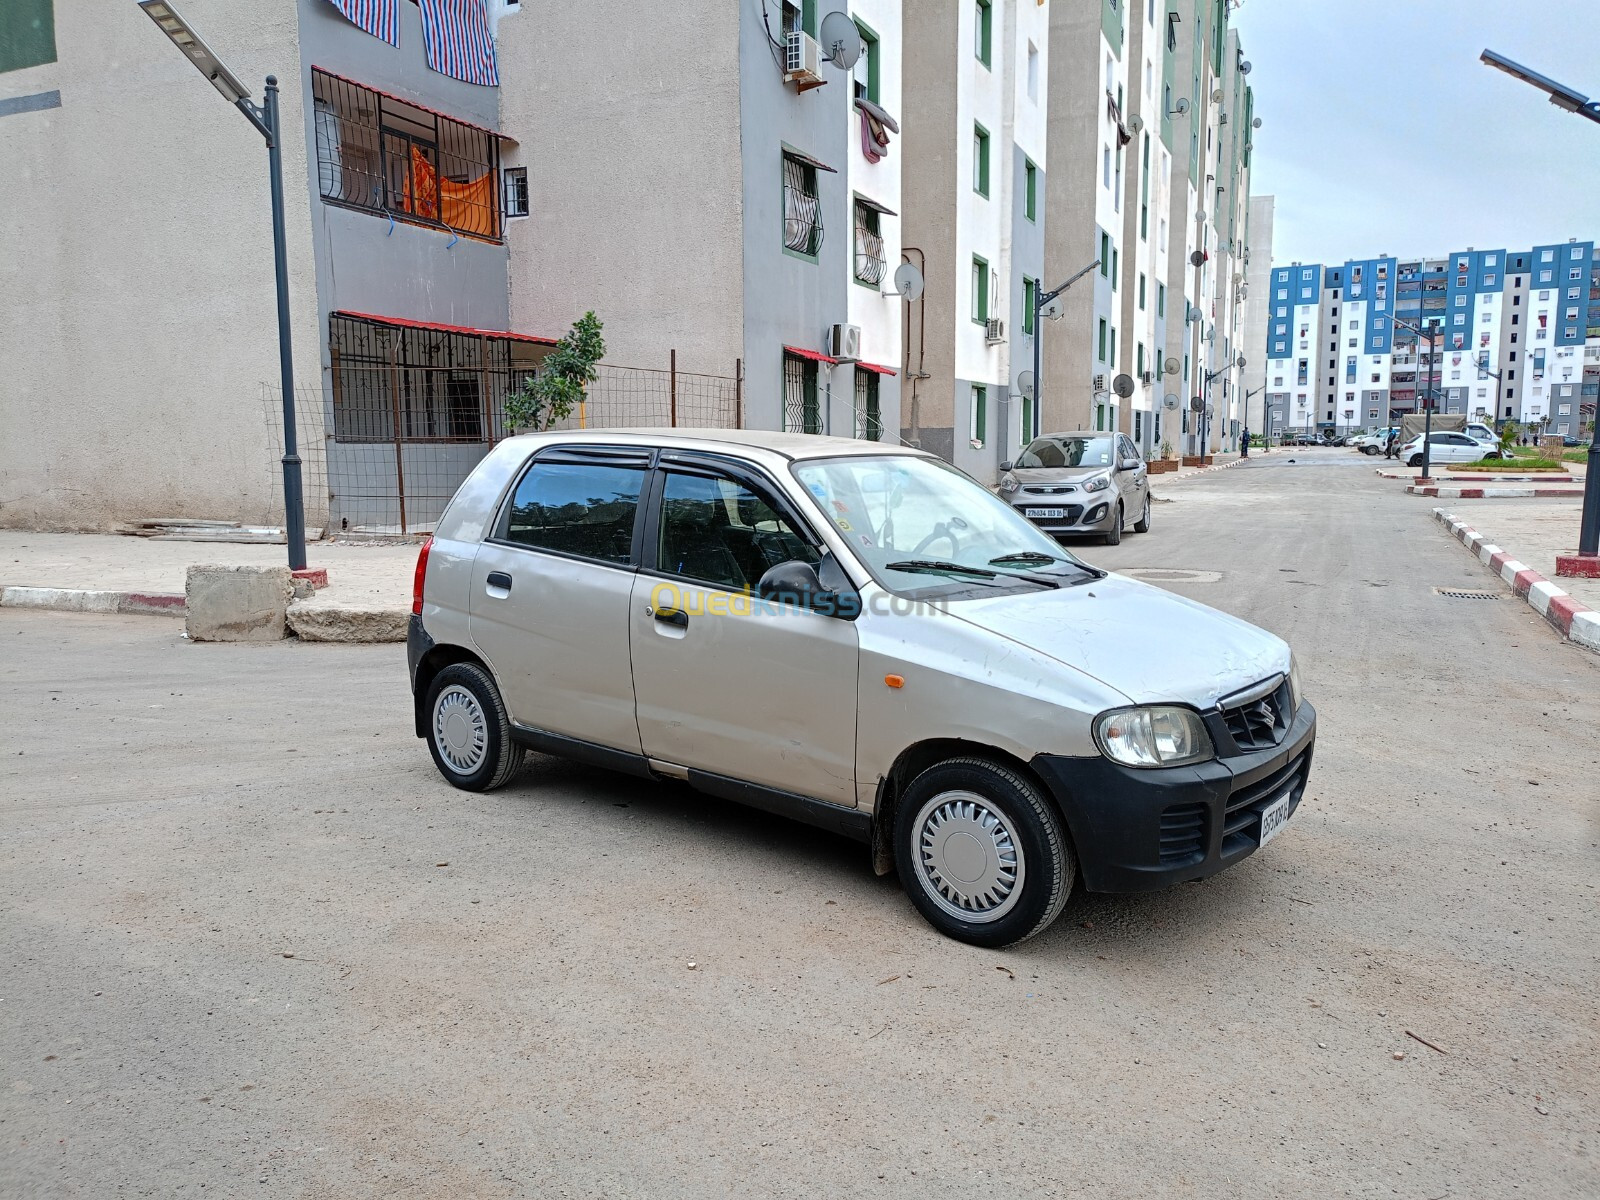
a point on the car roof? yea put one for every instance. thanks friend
(791, 446)
(1080, 433)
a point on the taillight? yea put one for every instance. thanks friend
(420, 577)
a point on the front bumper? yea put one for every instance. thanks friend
(1140, 830)
(1082, 512)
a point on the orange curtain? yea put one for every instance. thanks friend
(468, 207)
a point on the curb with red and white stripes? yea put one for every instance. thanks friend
(87, 600)
(1489, 493)
(1572, 618)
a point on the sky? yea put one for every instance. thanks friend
(1382, 133)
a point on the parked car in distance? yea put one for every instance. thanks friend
(863, 638)
(1080, 483)
(1373, 442)
(1569, 441)
(1482, 432)
(1448, 447)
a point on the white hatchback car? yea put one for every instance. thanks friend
(863, 638)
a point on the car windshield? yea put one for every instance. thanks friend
(1057, 451)
(916, 521)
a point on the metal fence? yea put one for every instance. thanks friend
(385, 447)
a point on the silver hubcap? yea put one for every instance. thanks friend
(459, 730)
(967, 860)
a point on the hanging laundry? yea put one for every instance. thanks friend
(380, 18)
(459, 41)
(467, 206)
(876, 126)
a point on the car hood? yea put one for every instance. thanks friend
(1151, 645)
(1026, 475)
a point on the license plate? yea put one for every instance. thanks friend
(1274, 818)
(1044, 513)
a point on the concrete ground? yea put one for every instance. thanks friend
(1534, 532)
(585, 985)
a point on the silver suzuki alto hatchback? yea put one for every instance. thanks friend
(861, 637)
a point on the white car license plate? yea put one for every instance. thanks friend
(1044, 513)
(1274, 818)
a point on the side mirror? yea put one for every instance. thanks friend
(1007, 465)
(799, 583)
(1128, 464)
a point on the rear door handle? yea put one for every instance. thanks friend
(498, 579)
(673, 616)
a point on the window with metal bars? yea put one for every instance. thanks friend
(381, 155)
(870, 262)
(801, 413)
(802, 209)
(869, 418)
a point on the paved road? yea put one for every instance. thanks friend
(493, 997)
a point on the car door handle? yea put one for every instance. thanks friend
(498, 579)
(672, 616)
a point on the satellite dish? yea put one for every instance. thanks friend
(1239, 362)
(1181, 107)
(1197, 404)
(1025, 385)
(1198, 258)
(1256, 124)
(1244, 68)
(1172, 369)
(1217, 96)
(1055, 308)
(1135, 123)
(1122, 385)
(840, 40)
(1170, 400)
(1211, 410)
(1200, 215)
(908, 282)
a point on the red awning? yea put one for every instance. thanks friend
(875, 368)
(813, 355)
(438, 328)
(412, 103)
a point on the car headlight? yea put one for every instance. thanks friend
(1294, 685)
(1098, 484)
(1155, 736)
(1008, 483)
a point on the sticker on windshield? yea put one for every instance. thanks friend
(842, 524)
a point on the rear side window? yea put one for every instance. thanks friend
(586, 509)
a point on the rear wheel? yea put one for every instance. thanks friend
(1414, 461)
(1114, 534)
(469, 730)
(1142, 525)
(981, 853)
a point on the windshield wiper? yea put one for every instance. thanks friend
(1036, 556)
(934, 566)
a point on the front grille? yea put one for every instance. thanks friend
(1262, 722)
(1183, 833)
(1243, 817)
(1041, 490)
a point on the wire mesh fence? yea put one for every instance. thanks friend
(384, 447)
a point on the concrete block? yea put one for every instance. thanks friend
(237, 604)
(315, 621)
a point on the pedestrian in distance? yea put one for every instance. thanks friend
(1244, 442)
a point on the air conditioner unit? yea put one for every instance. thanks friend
(1149, 377)
(803, 63)
(1099, 383)
(844, 342)
(994, 330)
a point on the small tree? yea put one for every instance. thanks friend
(1509, 433)
(563, 379)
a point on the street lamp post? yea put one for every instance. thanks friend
(1572, 101)
(1245, 445)
(265, 118)
(1040, 299)
(1424, 394)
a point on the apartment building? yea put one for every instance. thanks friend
(1257, 293)
(976, 79)
(1153, 94)
(1515, 336)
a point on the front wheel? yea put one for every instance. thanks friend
(1369, 449)
(981, 853)
(1142, 525)
(1114, 534)
(469, 730)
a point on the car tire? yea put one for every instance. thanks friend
(1142, 525)
(1493, 454)
(969, 821)
(1369, 449)
(1414, 461)
(1114, 534)
(469, 730)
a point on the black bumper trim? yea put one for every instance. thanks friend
(1114, 813)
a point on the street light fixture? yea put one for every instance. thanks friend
(1040, 299)
(1572, 101)
(264, 117)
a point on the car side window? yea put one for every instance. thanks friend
(580, 508)
(1129, 450)
(718, 531)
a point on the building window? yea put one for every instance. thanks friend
(1033, 72)
(1100, 352)
(870, 259)
(1105, 255)
(802, 210)
(869, 418)
(980, 290)
(1105, 168)
(1161, 299)
(516, 187)
(980, 412)
(980, 160)
(983, 31)
(1030, 292)
(1116, 270)
(393, 159)
(394, 383)
(1030, 190)
(801, 413)
(27, 34)
(865, 74)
